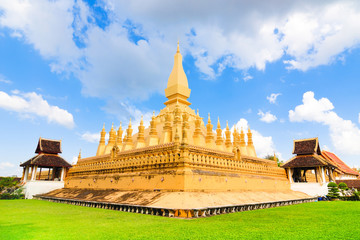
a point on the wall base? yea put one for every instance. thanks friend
(181, 213)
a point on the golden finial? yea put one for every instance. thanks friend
(178, 49)
(218, 123)
(120, 128)
(112, 126)
(130, 123)
(102, 128)
(197, 112)
(153, 114)
(79, 157)
(227, 125)
(141, 121)
(209, 121)
(177, 137)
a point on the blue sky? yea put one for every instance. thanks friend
(290, 71)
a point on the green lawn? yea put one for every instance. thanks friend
(35, 219)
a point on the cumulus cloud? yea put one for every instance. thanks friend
(272, 98)
(127, 70)
(263, 145)
(32, 104)
(267, 117)
(126, 53)
(47, 26)
(345, 135)
(246, 35)
(323, 36)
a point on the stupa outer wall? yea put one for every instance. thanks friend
(177, 167)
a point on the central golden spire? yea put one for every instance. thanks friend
(177, 89)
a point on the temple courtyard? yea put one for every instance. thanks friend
(34, 219)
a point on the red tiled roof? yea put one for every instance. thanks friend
(306, 146)
(48, 146)
(339, 163)
(46, 160)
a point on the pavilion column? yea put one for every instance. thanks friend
(62, 174)
(31, 173)
(23, 174)
(40, 174)
(53, 174)
(26, 174)
(331, 175)
(290, 175)
(319, 174)
(323, 175)
(33, 176)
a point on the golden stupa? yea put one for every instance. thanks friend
(178, 162)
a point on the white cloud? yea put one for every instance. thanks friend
(267, 117)
(251, 34)
(32, 104)
(345, 135)
(263, 145)
(4, 165)
(10, 169)
(326, 148)
(91, 137)
(15, 91)
(124, 111)
(243, 35)
(247, 77)
(272, 98)
(137, 69)
(314, 39)
(248, 111)
(74, 160)
(47, 26)
(4, 80)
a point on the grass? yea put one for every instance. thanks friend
(35, 219)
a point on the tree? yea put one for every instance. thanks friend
(271, 157)
(10, 188)
(7, 182)
(343, 186)
(333, 190)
